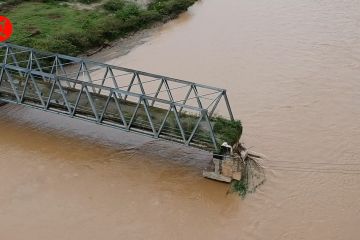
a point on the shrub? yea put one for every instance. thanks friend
(170, 8)
(130, 10)
(56, 45)
(110, 28)
(149, 16)
(227, 130)
(76, 39)
(241, 187)
(114, 5)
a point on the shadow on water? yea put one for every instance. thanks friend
(90, 134)
(137, 160)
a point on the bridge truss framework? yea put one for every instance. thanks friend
(127, 99)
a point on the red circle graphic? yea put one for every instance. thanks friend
(6, 28)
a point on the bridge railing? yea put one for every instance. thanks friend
(132, 100)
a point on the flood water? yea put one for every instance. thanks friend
(292, 70)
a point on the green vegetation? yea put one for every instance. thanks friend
(170, 8)
(114, 5)
(252, 176)
(240, 187)
(52, 27)
(56, 26)
(229, 131)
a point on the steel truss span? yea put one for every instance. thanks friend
(126, 99)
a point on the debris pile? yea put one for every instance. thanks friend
(239, 166)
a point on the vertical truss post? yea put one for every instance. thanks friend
(77, 75)
(197, 96)
(142, 88)
(195, 128)
(149, 117)
(134, 114)
(86, 72)
(163, 122)
(37, 63)
(228, 105)
(105, 107)
(12, 54)
(6, 55)
(157, 92)
(92, 103)
(179, 123)
(77, 100)
(25, 86)
(38, 92)
(53, 69)
(118, 106)
(103, 80)
(114, 82)
(58, 62)
(130, 85)
(186, 98)
(1, 74)
(50, 94)
(18, 100)
(212, 134)
(57, 81)
(29, 64)
(217, 100)
(168, 91)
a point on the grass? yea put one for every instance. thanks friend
(51, 25)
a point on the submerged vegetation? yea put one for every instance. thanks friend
(240, 187)
(59, 26)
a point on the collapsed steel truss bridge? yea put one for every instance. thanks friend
(127, 99)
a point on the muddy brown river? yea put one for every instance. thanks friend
(292, 70)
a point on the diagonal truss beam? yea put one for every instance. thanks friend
(60, 90)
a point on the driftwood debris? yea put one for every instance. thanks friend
(240, 166)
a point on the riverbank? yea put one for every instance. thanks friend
(70, 28)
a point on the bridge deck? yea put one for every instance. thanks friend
(131, 100)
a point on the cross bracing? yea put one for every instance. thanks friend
(127, 99)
